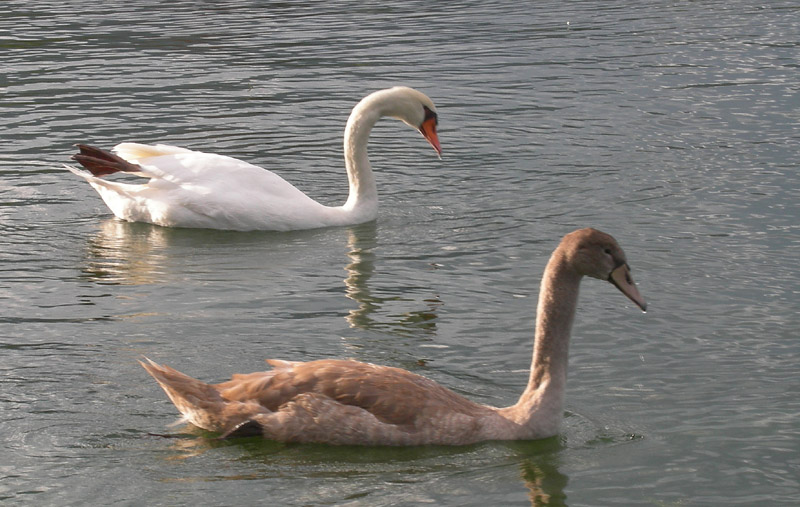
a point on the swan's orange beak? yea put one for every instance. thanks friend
(428, 130)
(621, 278)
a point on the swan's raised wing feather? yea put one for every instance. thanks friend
(136, 152)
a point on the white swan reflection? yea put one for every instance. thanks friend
(361, 243)
(122, 253)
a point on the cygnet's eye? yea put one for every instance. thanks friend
(607, 250)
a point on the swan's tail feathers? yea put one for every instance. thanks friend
(101, 162)
(198, 402)
(83, 174)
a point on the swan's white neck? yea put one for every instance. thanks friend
(540, 408)
(363, 198)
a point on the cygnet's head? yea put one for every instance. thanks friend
(594, 253)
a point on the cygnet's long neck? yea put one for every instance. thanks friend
(363, 197)
(540, 408)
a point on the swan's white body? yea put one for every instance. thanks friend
(189, 188)
(349, 402)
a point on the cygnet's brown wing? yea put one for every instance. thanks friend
(392, 395)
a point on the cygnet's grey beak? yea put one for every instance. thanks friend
(621, 278)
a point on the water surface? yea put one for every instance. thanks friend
(672, 126)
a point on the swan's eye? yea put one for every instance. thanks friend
(430, 115)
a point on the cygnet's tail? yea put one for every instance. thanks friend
(198, 402)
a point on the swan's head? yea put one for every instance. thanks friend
(597, 254)
(412, 107)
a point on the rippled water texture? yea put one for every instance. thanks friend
(671, 125)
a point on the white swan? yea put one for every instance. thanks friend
(349, 402)
(193, 189)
